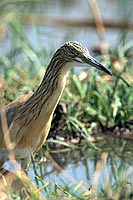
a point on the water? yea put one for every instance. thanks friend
(54, 36)
(50, 37)
(108, 164)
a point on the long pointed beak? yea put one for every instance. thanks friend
(93, 62)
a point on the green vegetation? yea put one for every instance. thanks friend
(100, 98)
(95, 98)
(94, 102)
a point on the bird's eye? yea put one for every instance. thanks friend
(76, 53)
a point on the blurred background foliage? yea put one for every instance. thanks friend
(30, 32)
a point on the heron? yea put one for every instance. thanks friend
(29, 117)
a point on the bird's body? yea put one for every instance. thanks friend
(29, 117)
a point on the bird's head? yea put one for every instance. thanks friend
(75, 54)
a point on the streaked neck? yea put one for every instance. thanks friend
(46, 97)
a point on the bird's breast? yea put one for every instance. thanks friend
(34, 134)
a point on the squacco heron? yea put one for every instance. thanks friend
(29, 117)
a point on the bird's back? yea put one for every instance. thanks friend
(7, 116)
(10, 111)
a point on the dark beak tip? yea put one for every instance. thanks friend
(106, 70)
(110, 73)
